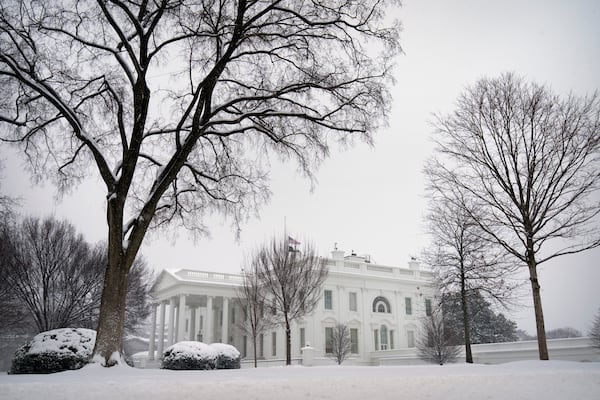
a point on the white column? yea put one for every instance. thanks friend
(367, 344)
(161, 332)
(152, 346)
(192, 333)
(176, 324)
(199, 326)
(338, 307)
(208, 325)
(171, 327)
(225, 327)
(181, 328)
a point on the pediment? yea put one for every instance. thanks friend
(165, 280)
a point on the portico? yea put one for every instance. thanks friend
(193, 305)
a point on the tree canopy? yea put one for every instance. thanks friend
(177, 104)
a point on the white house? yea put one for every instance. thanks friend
(381, 305)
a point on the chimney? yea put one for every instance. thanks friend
(337, 254)
(413, 264)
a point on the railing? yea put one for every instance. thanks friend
(378, 268)
(209, 276)
(381, 270)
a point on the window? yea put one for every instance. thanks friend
(381, 305)
(302, 338)
(384, 337)
(428, 307)
(274, 344)
(233, 315)
(408, 302)
(376, 335)
(328, 340)
(261, 345)
(410, 336)
(352, 301)
(327, 295)
(354, 340)
(245, 346)
(392, 339)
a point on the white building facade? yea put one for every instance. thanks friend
(381, 305)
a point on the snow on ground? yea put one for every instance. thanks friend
(547, 380)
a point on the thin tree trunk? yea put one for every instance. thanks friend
(466, 324)
(465, 311)
(255, 355)
(537, 306)
(288, 342)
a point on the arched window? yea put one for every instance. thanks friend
(381, 305)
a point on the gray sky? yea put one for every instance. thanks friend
(370, 199)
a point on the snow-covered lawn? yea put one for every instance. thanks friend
(551, 380)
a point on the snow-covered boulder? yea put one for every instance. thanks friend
(228, 357)
(54, 351)
(190, 355)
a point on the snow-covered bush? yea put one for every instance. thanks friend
(190, 355)
(54, 351)
(228, 357)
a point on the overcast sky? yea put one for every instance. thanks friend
(370, 199)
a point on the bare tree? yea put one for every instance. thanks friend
(464, 261)
(56, 277)
(251, 298)
(175, 102)
(528, 160)
(436, 343)
(137, 302)
(341, 343)
(564, 332)
(53, 272)
(595, 331)
(7, 205)
(12, 315)
(292, 281)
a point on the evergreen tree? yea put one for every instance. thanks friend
(486, 325)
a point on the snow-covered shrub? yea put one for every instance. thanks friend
(189, 355)
(228, 357)
(54, 351)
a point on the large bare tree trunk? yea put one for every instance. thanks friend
(109, 339)
(111, 322)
